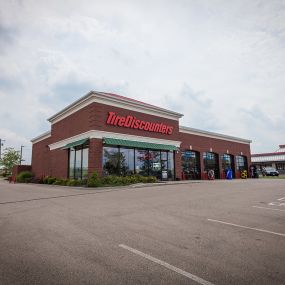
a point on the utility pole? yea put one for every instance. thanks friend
(1, 144)
(21, 154)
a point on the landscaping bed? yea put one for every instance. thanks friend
(93, 181)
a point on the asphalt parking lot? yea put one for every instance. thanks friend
(222, 232)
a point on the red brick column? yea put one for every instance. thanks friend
(95, 156)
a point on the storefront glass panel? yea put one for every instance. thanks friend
(170, 164)
(78, 157)
(141, 162)
(78, 162)
(71, 163)
(154, 163)
(126, 161)
(111, 161)
(85, 152)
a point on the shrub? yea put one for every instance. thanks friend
(57, 182)
(94, 180)
(151, 179)
(51, 180)
(73, 182)
(24, 177)
(64, 182)
(45, 180)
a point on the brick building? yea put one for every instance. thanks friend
(116, 135)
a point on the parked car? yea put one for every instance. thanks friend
(270, 171)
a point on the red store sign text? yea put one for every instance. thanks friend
(134, 123)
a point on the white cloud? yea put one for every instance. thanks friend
(221, 63)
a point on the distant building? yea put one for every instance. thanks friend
(275, 159)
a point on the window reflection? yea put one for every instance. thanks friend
(170, 162)
(154, 163)
(126, 161)
(78, 162)
(111, 161)
(141, 161)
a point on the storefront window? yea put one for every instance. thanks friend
(126, 161)
(71, 163)
(78, 158)
(170, 163)
(141, 161)
(111, 161)
(78, 162)
(154, 163)
(85, 163)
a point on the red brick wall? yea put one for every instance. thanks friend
(41, 157)
(59, 163)
(95, 156)
(49, 163)
(204, 144)
(18, 169)
(94, 117)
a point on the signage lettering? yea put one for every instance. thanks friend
(134, 123)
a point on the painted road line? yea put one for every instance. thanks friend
(279, 204)
(167, 265)
(281, 199)
(249, 228)
(268, 208)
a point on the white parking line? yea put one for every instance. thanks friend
(244, 227)
(167, 265)
(281, 199)
(268, 208)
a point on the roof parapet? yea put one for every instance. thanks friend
(203, 133)
(113, 100)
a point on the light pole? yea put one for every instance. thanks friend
(1, 144)
(21, 154)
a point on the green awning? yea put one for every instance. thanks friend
(76, 143)
(137, 144)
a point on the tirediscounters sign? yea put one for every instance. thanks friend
(134, 123)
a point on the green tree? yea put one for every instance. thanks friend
(9, 158)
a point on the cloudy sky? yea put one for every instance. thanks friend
(220, 63)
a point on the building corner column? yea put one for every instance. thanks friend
(95, 156)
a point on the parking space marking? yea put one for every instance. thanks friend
(280, 202)
(245, 227)
(268, 208)
(167, 265)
